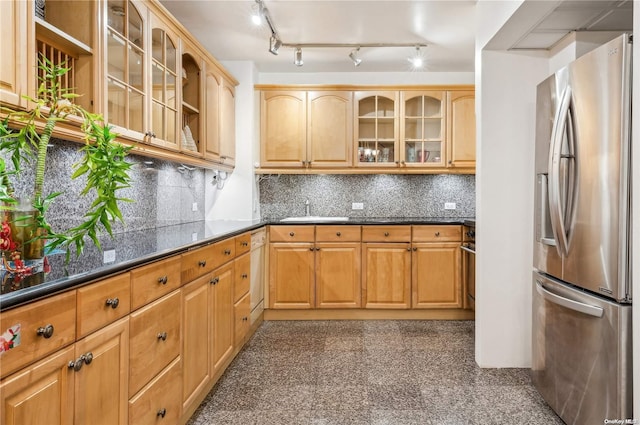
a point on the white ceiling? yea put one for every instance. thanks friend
(446, 26)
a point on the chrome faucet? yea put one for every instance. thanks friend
(307, 208)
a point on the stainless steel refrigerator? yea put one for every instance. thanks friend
(581, 360)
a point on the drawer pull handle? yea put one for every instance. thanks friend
(202, 263)
(437, 233)
(214, 280)
(162, 336)
(45, 331)
(113, 302)
(244, 275)
(161, 412)
(163, 280)
(244, 319)
(244, 244)
(338, 234)
(291, 234)
(82, 360)
(386, 233)
(227, 252)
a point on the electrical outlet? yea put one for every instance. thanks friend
(194, 207)
(449, 205)
(109, 256)
(357, 205)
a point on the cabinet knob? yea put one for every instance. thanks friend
(244, 275)
(161, 412)
(87, 358)
(386, 233)
(317, 249)
(76, 365)
(163, 280)
(202, 263)
(409, 249)
(402, 162)
(415, 249)
(244, 319)
(214, 280)
(113, 302)
(162, 336)
(291, 234)
(437, 233)
(338, 234)
(311, 249)
(227, 252)
(45, 331)
(244, 243)
(449, 162)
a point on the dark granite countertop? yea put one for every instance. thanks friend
(132, 249)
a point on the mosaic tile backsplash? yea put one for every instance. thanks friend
(382, 195)
(162, 192)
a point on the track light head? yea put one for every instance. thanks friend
(274, 44)
(258, 13)
(297, 57)
(417, 61)
(354, 57)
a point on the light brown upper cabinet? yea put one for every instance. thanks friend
(227, 123)
(462, 129)
(13, 41)
(125, 68)
(220, 117)
(306, 129)
(422, 129)
(191, 132)
(376, 129)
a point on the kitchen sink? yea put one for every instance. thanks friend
(313, 219)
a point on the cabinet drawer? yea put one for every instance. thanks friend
(386, 233)
(291, 233)
(102, 303)
(241, 312)
(32, 323)
(161, 399)
(224, 251)
(242, 277)
(154, 339)
(243, 243)
(338, 233)
(150, 282)
(439, 233)
(197, 263)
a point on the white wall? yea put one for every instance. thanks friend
(238, 199)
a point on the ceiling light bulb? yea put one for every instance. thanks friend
(258, 13)
(274, 44)
(297, 57)
(354, 57)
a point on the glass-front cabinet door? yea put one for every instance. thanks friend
(164, 112)
(190, 132)
(422, 132)
(376, 128)
(125, 60)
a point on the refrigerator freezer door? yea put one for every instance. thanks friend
(597, 252)
(581, 353)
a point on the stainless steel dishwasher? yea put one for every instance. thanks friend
(257, 273)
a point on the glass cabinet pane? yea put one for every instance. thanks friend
(117, 51)
(413, 107)
(117, 103)
(376, 130)
(134, 33)
(432, 107)
(423, 130)
(115, 15)
(157, 81)
(135, 68)
(157, 45)
(170, 94)
(135, 111)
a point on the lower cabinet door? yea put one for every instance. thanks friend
(436, 275)
(222, 311)
(102, 380)
(338, 275)
(291, 276)
(241, 312)
(41, 393)
(160, 401)
(387, 279)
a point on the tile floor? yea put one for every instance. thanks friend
(369, 372)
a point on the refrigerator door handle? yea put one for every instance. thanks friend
(591, 310)
(555, 156)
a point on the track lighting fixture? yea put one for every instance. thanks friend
(354, 57)
(274, 44)
(297, 57)
(261, 13)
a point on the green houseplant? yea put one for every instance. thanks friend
(24, 142)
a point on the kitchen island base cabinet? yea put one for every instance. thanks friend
(387, 275)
